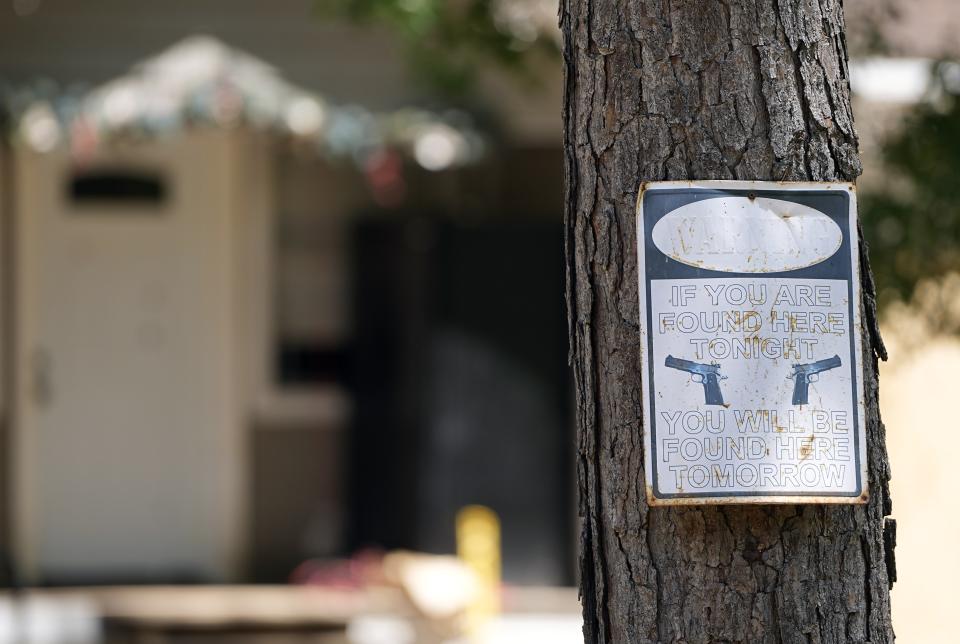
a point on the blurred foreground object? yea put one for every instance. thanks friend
(364, 568)
(49, 619)
(478, 546)
(440, 587)
(272, 615)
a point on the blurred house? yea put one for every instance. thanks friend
(258, 309)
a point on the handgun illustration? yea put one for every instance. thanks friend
(707, 375)
(804, 374)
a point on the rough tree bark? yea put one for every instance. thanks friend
(703, 89)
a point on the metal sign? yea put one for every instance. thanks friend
(751, 351)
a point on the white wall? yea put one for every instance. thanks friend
(918, 396)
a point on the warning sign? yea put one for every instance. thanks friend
(750, 321)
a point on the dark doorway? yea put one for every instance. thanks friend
(461, 388)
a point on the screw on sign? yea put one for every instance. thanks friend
(756, 285)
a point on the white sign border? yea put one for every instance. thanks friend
(856, 330)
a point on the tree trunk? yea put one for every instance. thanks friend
(704, 89)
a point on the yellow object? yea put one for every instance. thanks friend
(478, 546)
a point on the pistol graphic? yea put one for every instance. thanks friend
(804, 374)
(707, 375)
